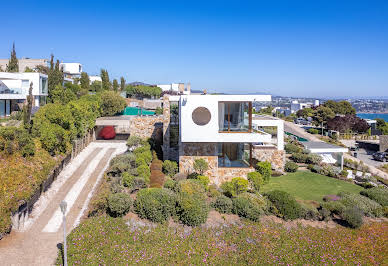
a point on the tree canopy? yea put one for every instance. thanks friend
(55, 77)
(85, 81)
(112, 103)
(115, 85)
(122, 84)
(96, 86)
(106, 85)
(348, 123)
(142, 91)
(341, 107)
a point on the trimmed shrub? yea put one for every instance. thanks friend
(179, 177)
(234, 187)
(144, 157)
(353, 216)
(313, 131)
(299, 157)
(128, 179)
(156, 165)
(170, 184)
(122, 163)
(292, 148)
(200, 166)
(255, 180)
(192, 175)
(204, 180)
(248, 205)
(290, 167)
(119, 204)
(144, 172)
(378, 194)
(265, 169)
(366, 205)
(170, 168)
(213, 191)
(286, 204)
(155, 204)
(138, 183)
(223, 204)
(335, 207)
(135, 141)
(313, 158)
(157, 179)
(192, 208)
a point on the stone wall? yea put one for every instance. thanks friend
(166, 125)
(146, 126)
(227, 173)
(383, 142)
(274, 156)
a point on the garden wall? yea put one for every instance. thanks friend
(270, 154)
(383, 142)
(146, 126)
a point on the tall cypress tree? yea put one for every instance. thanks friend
(55, 77)
(115, 85)
(85, 81)
(27, 109)
(122, 84)
(106, 85)
(13, 63)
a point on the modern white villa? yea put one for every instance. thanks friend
(221, 130)
(71, 70)
(14, 89)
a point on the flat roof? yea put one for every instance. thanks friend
(232, 97)
(323, 147)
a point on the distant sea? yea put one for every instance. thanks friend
(373, 116)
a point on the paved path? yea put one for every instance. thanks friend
(37, 244)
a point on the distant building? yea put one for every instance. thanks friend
(94, 78)
(14, 89)
(176, 87)
(71, 70)
(282, 110)
(296, 106)
(26, 62)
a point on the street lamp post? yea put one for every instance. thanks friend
(63, 206)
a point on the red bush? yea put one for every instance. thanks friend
(107, 132)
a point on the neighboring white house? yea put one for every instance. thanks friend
(221, 130)
(71, 70)
(94, 78)
(296, 106)
(14, 89)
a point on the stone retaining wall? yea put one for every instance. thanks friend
(383, 142)
(272, 155)
(146, 126)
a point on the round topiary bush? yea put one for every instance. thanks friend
(223, 204)
(119, 204)
(127, 179)
(144, 172)
(170, 184)
(265, 169)
(290, 167)
(204, 180)
(286, 204)
(352, 216)
(249, 206)
(192, 208)
(155, 204)
(235, 186)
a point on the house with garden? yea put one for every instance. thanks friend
(220, 130)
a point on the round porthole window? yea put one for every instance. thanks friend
(201, 116)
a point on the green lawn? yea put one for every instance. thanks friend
(305, 185)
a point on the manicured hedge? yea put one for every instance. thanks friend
(286, 204)
(155, 204)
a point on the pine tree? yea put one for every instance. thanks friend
(115, 85)
(13, 63)
(85, 81)
(122, 84)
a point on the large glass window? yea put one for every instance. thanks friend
(7, 107)
(234, 154)
(44, 86)
(2, 108)
(235, 116)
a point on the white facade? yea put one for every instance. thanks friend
(296, 106)
(170, 87)
(71, 69)
(14, 89)
(94, 78)
(211, 132)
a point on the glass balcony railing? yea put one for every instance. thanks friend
(11, 91)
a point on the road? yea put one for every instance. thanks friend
(37, 243)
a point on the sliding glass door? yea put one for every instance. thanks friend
(234, 154)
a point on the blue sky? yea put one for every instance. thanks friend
(292, 48)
